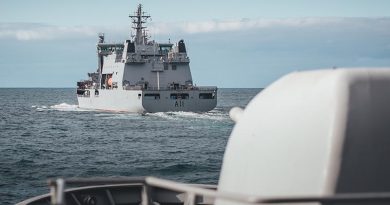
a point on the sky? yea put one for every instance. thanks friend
(234, 44)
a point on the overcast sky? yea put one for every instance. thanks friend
(48, 43)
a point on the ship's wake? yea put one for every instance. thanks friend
(58, 107)
(215, 114)
(118, 115)
(168, 116)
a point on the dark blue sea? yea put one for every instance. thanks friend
(44, 135)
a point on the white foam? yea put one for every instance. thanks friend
(39, 108)
(118, 115)
(191, 115)
(211, 115)
(65, 107)
(165, 115)
(58, 107)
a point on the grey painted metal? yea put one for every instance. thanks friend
(124, 190)
(165, 103)
(140, 64)
(317, 133)
(170, 192)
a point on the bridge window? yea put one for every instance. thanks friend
(174, 67)
(155, 96)
(173, 96)
(181, 96)
(184, 96)
(165, 48)
(206, 95)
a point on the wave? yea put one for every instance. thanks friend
(58, 107)
(65, 107)
(211, 115)
(165, 115)
(215, 115)
(122, 115)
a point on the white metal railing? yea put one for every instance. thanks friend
(57, 188)
(137, 87)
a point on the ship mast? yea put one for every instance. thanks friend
(139, 18)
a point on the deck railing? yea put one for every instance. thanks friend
(57, 188)
(200, 88)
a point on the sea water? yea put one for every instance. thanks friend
(43, 134)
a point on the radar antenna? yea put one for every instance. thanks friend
(139, 18)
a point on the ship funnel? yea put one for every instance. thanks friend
(182, 46)
(101, 37)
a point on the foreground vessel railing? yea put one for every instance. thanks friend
(192, 191)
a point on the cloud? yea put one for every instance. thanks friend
(36, 31)
(264, 48)
(261, 23)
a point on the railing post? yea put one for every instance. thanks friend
(57, 192)
(190, 198)
(145, 195)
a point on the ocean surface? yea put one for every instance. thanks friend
(44, 135)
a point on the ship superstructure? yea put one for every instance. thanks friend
(141, 75)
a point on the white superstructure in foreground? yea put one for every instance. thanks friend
(141, 75)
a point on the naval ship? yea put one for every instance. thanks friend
(141, 75)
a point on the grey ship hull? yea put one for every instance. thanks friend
(141, 101)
